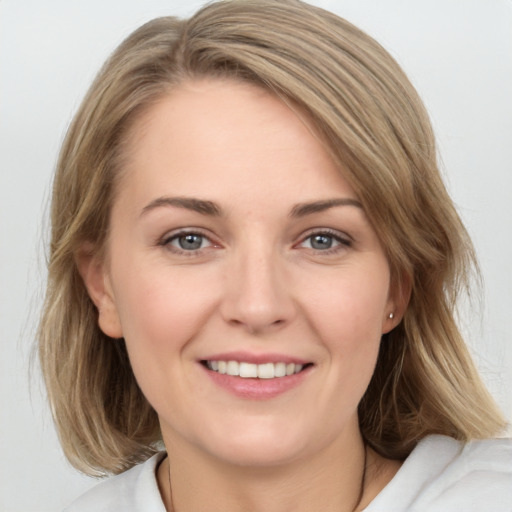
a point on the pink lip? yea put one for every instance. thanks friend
(255, 358)
(256, 389)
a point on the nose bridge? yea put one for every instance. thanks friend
(257, 296)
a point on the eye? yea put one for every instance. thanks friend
(320, 241)
(189, 241)
(325, 241)
(186, 241)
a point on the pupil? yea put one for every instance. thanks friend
(321, 242)
(190, 242)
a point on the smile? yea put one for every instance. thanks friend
(254, 371)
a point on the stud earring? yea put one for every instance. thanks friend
(391, 316)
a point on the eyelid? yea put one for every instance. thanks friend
(335, 233)
(344, 239)
(165, 240)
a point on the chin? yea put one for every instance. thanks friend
(258, 453)
(264, 442)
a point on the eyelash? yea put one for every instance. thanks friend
(341, 241)
(167, 240)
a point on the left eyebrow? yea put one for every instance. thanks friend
(189, 203)
(303, 209)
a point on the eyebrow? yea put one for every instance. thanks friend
(197, 205)
(212, 209)
(303, 209)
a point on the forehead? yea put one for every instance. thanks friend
(220, 137)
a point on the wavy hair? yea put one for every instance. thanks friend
(375, 127)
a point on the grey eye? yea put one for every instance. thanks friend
(324, 241)
(321, 241)
(189, 242)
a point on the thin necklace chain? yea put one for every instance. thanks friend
(363, 480)
(361, 487)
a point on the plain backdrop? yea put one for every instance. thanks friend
(458, 53)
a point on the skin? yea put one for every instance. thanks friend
(258, 283)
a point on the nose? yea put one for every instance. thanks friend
(257, 294)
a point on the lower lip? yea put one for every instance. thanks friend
(257, 389)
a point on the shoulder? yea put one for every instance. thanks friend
(443, 474)
(135, 490)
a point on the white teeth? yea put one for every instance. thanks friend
(266, 371)
(250, 370)
(280, 369)
(233, 368)
(293, 368)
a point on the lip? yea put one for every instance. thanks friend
(253, 358)
(253, 388)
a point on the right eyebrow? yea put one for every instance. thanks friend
(190, 203)
(303, 209)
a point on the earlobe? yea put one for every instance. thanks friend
(390, 322)
(397, 304)
(92, 269)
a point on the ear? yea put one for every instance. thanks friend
(94, 274)
(399, 296)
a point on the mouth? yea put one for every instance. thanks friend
(246, 370)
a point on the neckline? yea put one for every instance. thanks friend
(400, 491)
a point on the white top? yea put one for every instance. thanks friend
(440, 475)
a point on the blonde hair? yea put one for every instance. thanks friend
(375, 127)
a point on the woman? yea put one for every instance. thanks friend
(255, 261)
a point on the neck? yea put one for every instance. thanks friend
(335, 481)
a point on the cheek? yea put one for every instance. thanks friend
(348, 317)
(352, 305)
(161, 310)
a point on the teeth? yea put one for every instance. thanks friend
(249, 370)
(233, 368)
(280, 369)
(266, 371)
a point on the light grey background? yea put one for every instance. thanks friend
(457, 52)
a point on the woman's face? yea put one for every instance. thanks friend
(236, 246)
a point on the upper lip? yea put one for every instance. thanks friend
(248, 357)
